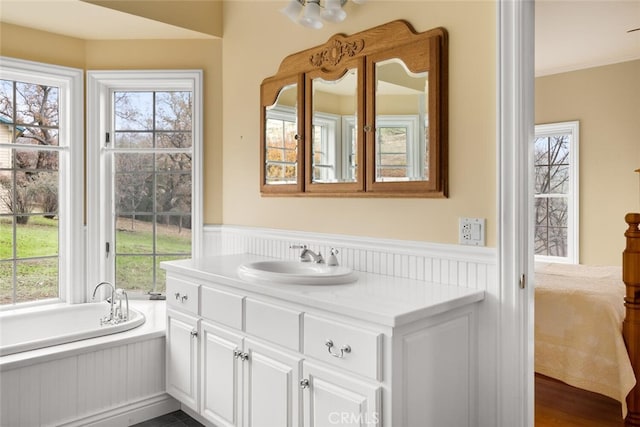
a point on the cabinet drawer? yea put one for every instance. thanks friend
(364, 351)
(222, 307)
(182, 295)
(274, 323)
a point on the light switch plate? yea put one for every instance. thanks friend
(471, 231)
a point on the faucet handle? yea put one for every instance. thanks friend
(333, 260)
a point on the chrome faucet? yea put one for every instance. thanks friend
(111, 317)
(120, 316)
(307, 255)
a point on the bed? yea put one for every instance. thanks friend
(581, 335)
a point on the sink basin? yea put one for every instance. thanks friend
(296, 272)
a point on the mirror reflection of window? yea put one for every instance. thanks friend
(401, 123)
(334, 147)
(281, 138)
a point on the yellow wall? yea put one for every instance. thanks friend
(196, 15)
(257, 37)
(33, 45)
(606, 101)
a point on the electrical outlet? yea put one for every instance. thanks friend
(471, 231)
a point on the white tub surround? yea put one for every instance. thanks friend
(112, 380)
(383, 351)
(45, 326)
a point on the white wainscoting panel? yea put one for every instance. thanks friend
(63, 390)
(458, 265)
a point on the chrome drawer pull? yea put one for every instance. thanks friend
(344, 349)
(240, 355)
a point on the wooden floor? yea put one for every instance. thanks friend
(558, 404)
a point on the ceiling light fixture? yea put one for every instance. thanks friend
(311, 13)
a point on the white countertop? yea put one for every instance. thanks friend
(386, 300)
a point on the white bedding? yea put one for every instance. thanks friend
(578, 328)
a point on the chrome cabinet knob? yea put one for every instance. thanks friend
(184, 298)
(304, 383)
(177, 295)
(344, 349)
(194, 334)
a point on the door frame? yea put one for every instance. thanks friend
(515, 131)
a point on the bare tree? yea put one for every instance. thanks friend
(32, 112)
(551, 181)
(158, 182)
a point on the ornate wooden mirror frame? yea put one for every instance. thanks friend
(291, 157)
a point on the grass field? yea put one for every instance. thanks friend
(38, 278)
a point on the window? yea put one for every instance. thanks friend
(397, 149)
(41, 199)
(146, 146)
(281, 145)
(327, 163)
(556, 192)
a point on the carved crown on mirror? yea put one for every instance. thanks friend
(364, 115)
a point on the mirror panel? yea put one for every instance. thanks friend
(401, 117)
(334, 136)
(281, 138)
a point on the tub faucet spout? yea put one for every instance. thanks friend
(111, 317)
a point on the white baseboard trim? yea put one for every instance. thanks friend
(129, 413)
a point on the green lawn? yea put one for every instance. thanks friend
(38, 279)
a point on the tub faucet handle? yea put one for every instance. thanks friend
(122, 316)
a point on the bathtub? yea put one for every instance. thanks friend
(109, 380)
(25, 330)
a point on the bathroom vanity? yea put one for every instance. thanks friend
(381, 351)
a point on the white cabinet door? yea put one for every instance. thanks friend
(334, 399)
(271, 386)
(182, 358)
(221, 375)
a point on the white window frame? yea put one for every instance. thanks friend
(285, 114)
(100, 86)
(331, 145)
(71, 255)
(573, 215)
(415, 168)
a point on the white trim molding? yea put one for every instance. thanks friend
(515, 125)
